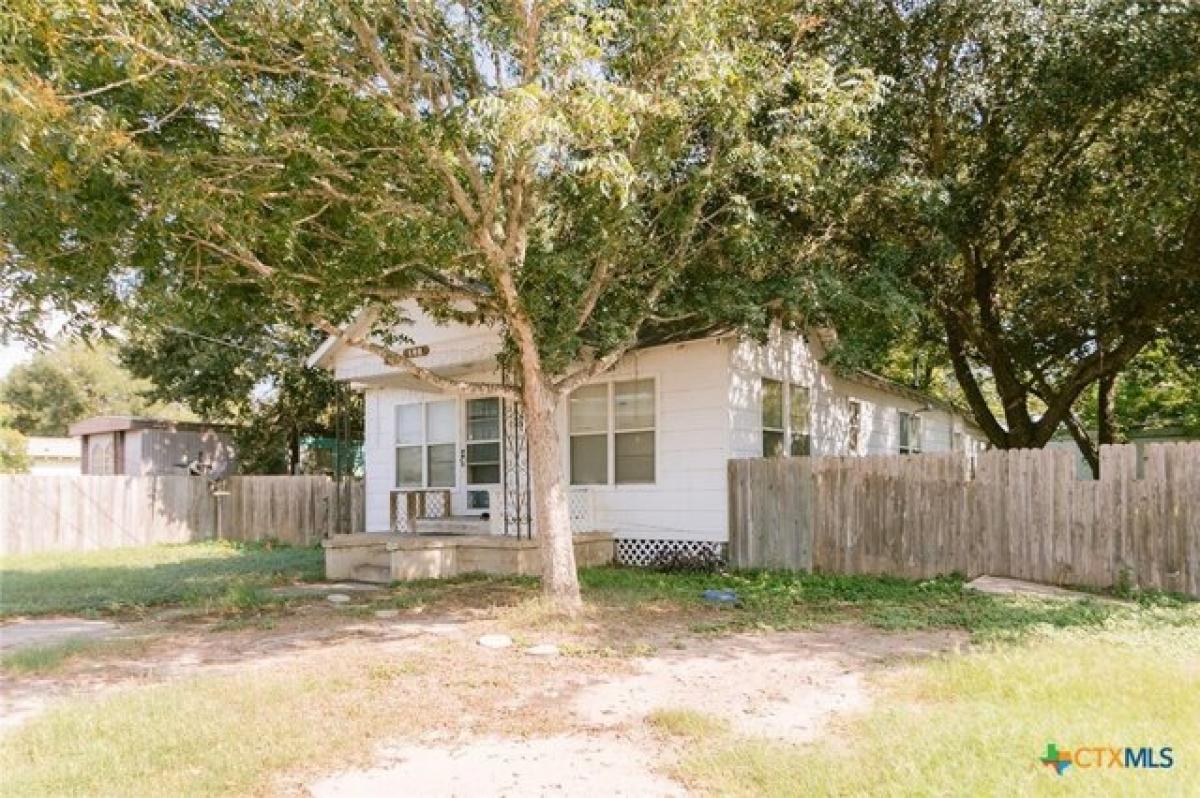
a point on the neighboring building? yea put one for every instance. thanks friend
(1139, 436)
(52, 457)
(150, 446)
(645, 445)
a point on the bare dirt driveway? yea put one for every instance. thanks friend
(782, 685)
(462, 719)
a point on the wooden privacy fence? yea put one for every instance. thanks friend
(77, 513)
(1020, 513)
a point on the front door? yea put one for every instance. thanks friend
(482, 456)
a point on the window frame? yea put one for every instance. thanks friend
(853, 425)
(467, 442)
(425, 445)
(787, 432)
(908, 429)
(611, 432)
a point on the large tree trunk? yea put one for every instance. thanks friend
(560, 583)
(1105, 412)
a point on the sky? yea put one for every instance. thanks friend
(12, 354)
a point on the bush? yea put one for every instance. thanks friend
(703, 560)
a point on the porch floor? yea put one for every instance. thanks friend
(384, 558)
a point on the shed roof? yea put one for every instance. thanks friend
(100, 424)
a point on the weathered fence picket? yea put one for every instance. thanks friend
(93, 512)
(1019, 513)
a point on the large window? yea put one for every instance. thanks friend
(425, 443)
(612, 433)
(786, 419)
(799, 421)
(773, 433)
(909, 432)
(588, 424)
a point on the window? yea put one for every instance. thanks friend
(483, 441)
(772, 418)
(633, 435)
(786, 425)
(612, 430)
(425, 443)
(855, 426)
(799, 415)
(909, 432)
(588, 423)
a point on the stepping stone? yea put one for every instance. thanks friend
(543, 650)
(495, 641)
(337, 598)
(319, 588)
(385, 614)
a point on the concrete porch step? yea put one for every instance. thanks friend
(372, 572)
(452, 525)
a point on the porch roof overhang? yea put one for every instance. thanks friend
(322, 356)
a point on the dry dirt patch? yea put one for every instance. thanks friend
(569, 764)
(786, 686)
(783, 685)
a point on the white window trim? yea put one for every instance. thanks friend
(610, 434)
(786, 429)
(424, 445)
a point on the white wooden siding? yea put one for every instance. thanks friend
(708, 409)
(687, 501)
(788, 357)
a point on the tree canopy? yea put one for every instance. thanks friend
(581, 175)
(73, 381)
(240, 362)
(1032, 188)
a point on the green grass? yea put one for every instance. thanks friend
(114, 580)
(239, 733)
(46, 659)
(212, 735)
(780, 601)
(687, 723)
(976, 725)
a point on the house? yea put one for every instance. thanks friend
(645, 445)
(52, 457)
(138, 446)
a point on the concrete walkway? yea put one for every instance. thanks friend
(20, 634)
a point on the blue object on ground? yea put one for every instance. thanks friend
(725, 597)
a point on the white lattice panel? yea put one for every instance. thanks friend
(437, 505)
(579, 503)
(646, 552)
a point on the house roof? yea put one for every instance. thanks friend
(323, 354)
(892, 386)
(100, 424)
(689, 330)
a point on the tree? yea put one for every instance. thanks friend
(1159, 389)
(14, 452)
(73, 381)
(14, 448)
(231, 356)
(578, 175)
(1034, 184)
